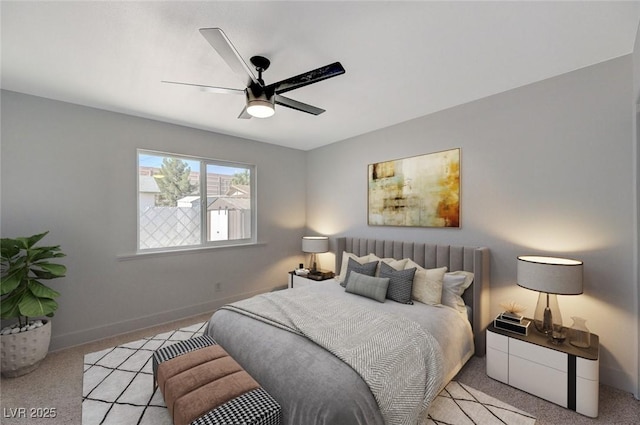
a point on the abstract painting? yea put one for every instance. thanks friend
(420, 191)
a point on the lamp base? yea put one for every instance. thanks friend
(558, 335)
(547, 318)
(313, 262)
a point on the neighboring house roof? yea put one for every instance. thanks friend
(230, 203)
(148, 184)
(238, 190)
(215, 203)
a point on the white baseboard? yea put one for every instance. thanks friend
(72, 339)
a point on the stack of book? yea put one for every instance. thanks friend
(512, 322)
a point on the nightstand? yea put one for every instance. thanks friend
(562, 374)
(296, 281)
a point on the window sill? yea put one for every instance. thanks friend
(151, 254)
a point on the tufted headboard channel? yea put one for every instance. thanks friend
(429, 256)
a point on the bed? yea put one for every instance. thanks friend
(312, 384)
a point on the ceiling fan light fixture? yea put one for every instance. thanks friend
(260, 108)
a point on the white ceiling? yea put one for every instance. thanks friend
(402, 60)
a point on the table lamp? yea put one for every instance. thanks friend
(550, 276)
(314, 245)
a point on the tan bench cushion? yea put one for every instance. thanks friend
(201, 380)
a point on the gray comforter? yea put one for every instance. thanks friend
(313, 385)
(399, 361)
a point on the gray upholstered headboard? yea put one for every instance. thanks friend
(471, 259)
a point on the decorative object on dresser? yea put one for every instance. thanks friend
(513, 308)
(511, 320)
(550, 276)
(579, 334)
(420, 191)
(297, 280)
(520, 326)
(315, 245)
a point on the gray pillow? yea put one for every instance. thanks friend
(368, 269)
(400, 283)
(368, 286)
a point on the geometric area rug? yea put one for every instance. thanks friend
(462, 405)
(117, 384)
(118, 389)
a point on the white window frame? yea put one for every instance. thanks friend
(204, 243)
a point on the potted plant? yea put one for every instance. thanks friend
(24, 265)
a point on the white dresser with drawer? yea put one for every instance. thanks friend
(563, 374)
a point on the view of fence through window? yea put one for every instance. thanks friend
(171, 213)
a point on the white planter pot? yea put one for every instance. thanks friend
(22, 352)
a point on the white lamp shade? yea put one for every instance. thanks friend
(315, 244)
(552, 275)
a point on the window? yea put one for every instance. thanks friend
(188, 202)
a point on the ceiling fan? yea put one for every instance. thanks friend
(261, 98)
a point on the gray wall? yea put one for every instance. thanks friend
(547, 168)
(72, 170)
(636, 91)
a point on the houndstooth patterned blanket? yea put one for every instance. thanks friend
(399, 361)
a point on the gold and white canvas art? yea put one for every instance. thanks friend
(420, 191)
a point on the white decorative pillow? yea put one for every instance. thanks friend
(396, 264)
(345, 263)
(427, 283)
(454, 285)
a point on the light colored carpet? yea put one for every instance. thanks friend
(118, 389)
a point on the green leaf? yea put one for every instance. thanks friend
(57, 270)
(35, 239)
(8, 248)
(43, 253)
(9, 305)
(11, 281)
(21, 261)
(17, 262)
(33, 306)
(23, 243)
(41, 274)
(42, 291)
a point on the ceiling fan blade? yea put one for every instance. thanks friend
(211, 89)
(221, 43)
(298, 106)
(317, 75)
(244, 115)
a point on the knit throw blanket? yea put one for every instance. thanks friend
(399, 361)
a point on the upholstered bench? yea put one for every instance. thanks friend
(203, 385)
